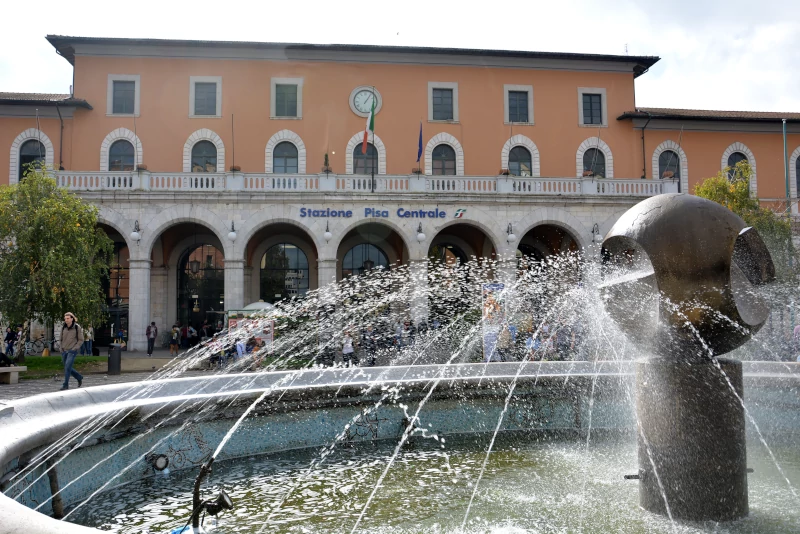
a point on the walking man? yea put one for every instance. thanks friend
(71, 341)
(152, 335)
(174, 340)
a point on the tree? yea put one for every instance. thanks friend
(52, 255)
(731, 188)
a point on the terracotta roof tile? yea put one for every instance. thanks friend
(42, 99)
(709, 114)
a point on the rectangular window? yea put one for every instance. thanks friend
(285, 100)
(592, 108)
(205, 98)
(124, 97)
(518, 106)
(442, 104)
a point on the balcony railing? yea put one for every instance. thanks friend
(384, 183)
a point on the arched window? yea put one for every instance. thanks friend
(284, 273)
(520, 161)
(31, 155)
(594, 163)
(284, 159)
(669, 165)
(733, 159)
(204, 157)
(120, 156)
(201, 286)
(362, 258)
(444, 161)
(365, 163)
(797, 175)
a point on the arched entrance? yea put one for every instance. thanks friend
(280, 263)
(455, 254)
(187, 278)
(116, 288)
(370, 246)
(545, 241)
(201, 286)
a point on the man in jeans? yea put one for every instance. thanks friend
(152, 335)
(71, 341)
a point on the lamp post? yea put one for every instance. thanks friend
(510, 237)
(327, 235)
(136, 234)
(420, 234)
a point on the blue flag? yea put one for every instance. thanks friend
(419, 150)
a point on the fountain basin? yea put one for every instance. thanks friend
(310, 409)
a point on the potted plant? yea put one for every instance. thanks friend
(326, 168)
(236, 168)
(668, 174)
(587, 174)
(141, 167)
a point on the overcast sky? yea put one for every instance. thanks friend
(715, 54)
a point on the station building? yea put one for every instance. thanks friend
(229, 172)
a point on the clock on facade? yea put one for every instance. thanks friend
(361, 99)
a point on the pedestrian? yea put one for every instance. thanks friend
(369, 340)
(185, 337)
(71, 340)
(10, 340)
(88, 337)
(192, 336)
(174, 340)
(152, 334)
(349, 356)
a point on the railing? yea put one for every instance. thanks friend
(360, 184)
(461, 184)
(281, 182)
(182, 181)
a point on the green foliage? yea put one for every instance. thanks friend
(731, 188)
(47, 366)
(52, 255)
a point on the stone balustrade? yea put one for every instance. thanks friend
(383, 183)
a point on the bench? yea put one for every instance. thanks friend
(10, 375)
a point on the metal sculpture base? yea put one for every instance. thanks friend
(694, 435)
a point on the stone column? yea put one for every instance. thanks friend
(138, 304)
(326, 272)
(159, 289)
(419, 295)
(250, 295)
(234, 284)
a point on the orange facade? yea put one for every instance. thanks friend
(327, 124)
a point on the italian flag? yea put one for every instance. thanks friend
(370, 127)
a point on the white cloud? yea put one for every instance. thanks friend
(731, 54)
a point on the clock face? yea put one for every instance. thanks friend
(362, 101)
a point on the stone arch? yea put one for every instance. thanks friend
(793, 177)
(340, 232)
(174, 215)
(494, 234)
(116, 135)
(30, 133)
(751, 159)
(290, 136)
(669, 144)
(594, 142)
(556, 217)
(262, 218)
(447, 139)
(521, 140)
(203, 134)
(353, 143)
(115, 220)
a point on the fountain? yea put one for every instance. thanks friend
(459, 445)
(692, 453)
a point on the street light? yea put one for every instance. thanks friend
(510, 237)
(136, 235)
(420, 234)
(232, 233)
(327, 235)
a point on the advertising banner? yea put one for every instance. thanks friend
(493, 319)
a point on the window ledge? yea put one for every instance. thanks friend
(285, 118)
(123, 115)
(205, 116)
(440, 121)
(593, 125)
(519, 123)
